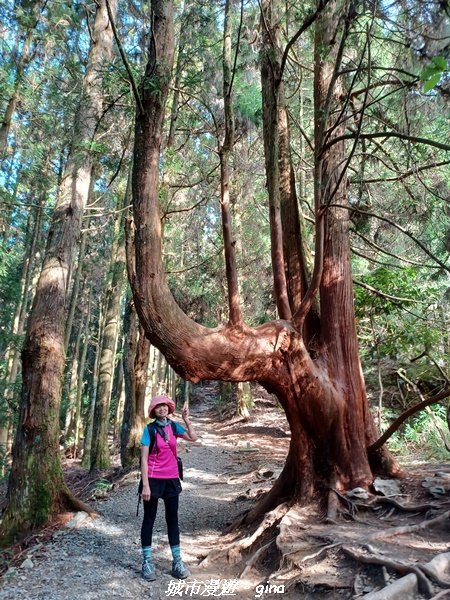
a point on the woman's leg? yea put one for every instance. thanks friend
(179, 570)
(173, 531)
(150, 510)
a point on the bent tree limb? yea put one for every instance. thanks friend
(402, 418)
(323, 394)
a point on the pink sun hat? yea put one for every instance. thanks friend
(157, 400)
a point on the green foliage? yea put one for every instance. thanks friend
(398, 289)
(419, 437)
(248, 99)
(432, 73)
(101, 489)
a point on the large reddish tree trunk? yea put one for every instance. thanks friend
(322, 392)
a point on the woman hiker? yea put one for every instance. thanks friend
(160, 477)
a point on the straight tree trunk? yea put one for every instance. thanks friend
(225, 152)
(75, 290)
(119, 393)
(36, 488)
(75, 427)
(20, 64)
(100, 458)
(89, 422)
(12, 355)
(70, 407)
(135, 367)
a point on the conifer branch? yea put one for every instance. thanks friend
(125, 60)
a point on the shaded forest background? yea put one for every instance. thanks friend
(395, 112)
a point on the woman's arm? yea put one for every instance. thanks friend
(144, 473)
(190, 435)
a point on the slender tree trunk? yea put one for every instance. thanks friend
(135, 366)
(225, 151)
(12, 355)
(70, 406)
(89, 423)
(119, 392)
(100, 458)
(75, 428)
(75, 290)
(20, 64)
(36, 488)
(271, 82)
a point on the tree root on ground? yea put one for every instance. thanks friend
(251, 564)
(288, 529)
(444, 595)
(351, 507)
(233, 552)
(385, 533)
(71, 502)
(414, 508)
(375, 559)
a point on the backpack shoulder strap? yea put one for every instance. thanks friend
(153, 429)
(152, 433)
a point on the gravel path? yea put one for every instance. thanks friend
(101, 557)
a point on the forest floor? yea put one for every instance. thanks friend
(230, 466)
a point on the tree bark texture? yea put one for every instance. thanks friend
(322, 393)
(12, 355)
(100, 458)
(36, 489)
(135, 368)
(225, 151)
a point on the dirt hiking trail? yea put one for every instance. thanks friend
(229, 467)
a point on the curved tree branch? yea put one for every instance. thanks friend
(400, 228)
(386, 135)
(124, 58)
(402, 418)
(309, 20)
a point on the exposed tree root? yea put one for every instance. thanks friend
(415, 508)
(374, 559)
(444, 595)
(352, 507)
(411, 528)
(233, 552)
(320, 553)
(443, 583)
(71, 502)
(250, 564)
(270, 502)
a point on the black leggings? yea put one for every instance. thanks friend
(150, 510)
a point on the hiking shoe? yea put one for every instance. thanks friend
(179, 570)
(148, 570)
